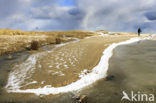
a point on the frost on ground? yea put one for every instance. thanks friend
(63, 63)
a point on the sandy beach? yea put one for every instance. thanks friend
(63, 65)
(66, 64)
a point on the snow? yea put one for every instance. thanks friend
(17, 77)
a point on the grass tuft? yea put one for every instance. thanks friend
(58, 41)
(34, 45)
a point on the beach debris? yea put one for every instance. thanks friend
(80, 98)
(84, 72)
(110, 77)
(83, 99)
(87, 71)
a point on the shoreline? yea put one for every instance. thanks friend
(84, 81)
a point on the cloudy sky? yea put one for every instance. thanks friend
(52, 15)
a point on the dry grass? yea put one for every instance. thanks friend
(17, 40)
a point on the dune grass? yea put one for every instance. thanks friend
(17, 40)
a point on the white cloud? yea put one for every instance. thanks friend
(122, 15)
(117, 15)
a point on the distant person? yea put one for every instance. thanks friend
(139, 31)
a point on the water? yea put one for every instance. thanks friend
(134, 68)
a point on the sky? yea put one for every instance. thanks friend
(62, 15)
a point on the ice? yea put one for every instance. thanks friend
(98, 72)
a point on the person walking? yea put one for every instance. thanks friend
(139, 31)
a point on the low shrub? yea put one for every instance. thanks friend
(34, 45)
(58, 40)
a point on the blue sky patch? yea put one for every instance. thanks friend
(67, 2)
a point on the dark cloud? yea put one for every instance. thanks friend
(151, 15)
(116, 15)
(74, 11)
